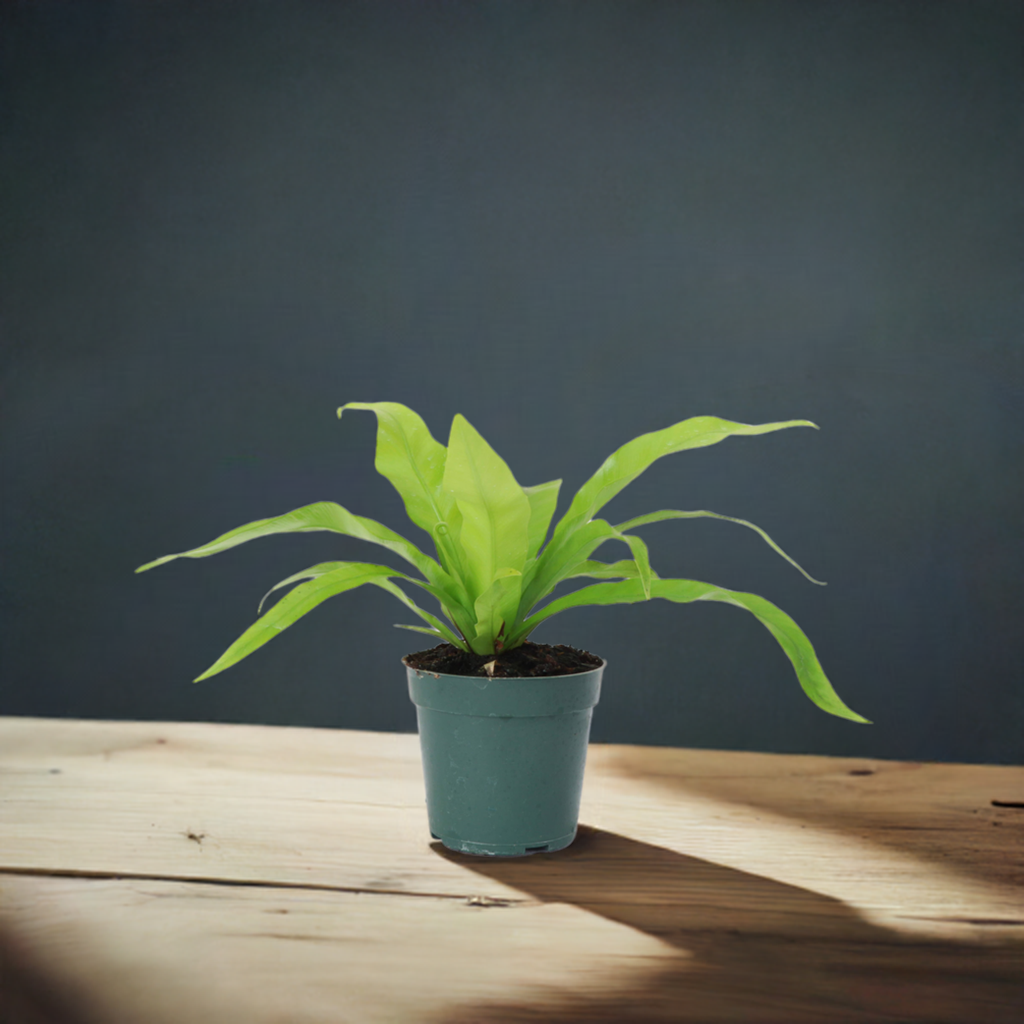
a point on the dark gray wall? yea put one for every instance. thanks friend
(573, 223)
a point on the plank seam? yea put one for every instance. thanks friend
(473, 899)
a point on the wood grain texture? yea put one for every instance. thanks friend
(156, 872)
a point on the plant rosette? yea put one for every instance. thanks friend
(495, 743)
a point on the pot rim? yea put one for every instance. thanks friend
(508, 679)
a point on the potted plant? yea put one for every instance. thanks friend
(504, 722)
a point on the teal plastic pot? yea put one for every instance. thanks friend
(503, 759)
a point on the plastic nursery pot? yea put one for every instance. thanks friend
(503, 759)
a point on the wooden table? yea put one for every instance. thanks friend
(214, 874)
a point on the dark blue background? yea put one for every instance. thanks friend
(573, 223)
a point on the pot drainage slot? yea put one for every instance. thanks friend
(536, 849)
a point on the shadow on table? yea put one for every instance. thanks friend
(880, 800)
(26, 997)
(756, 950)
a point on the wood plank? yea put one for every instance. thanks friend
(706, 885)
(147, 951)
(346, 810)
(150, 952)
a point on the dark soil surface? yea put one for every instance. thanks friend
(528, 659)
